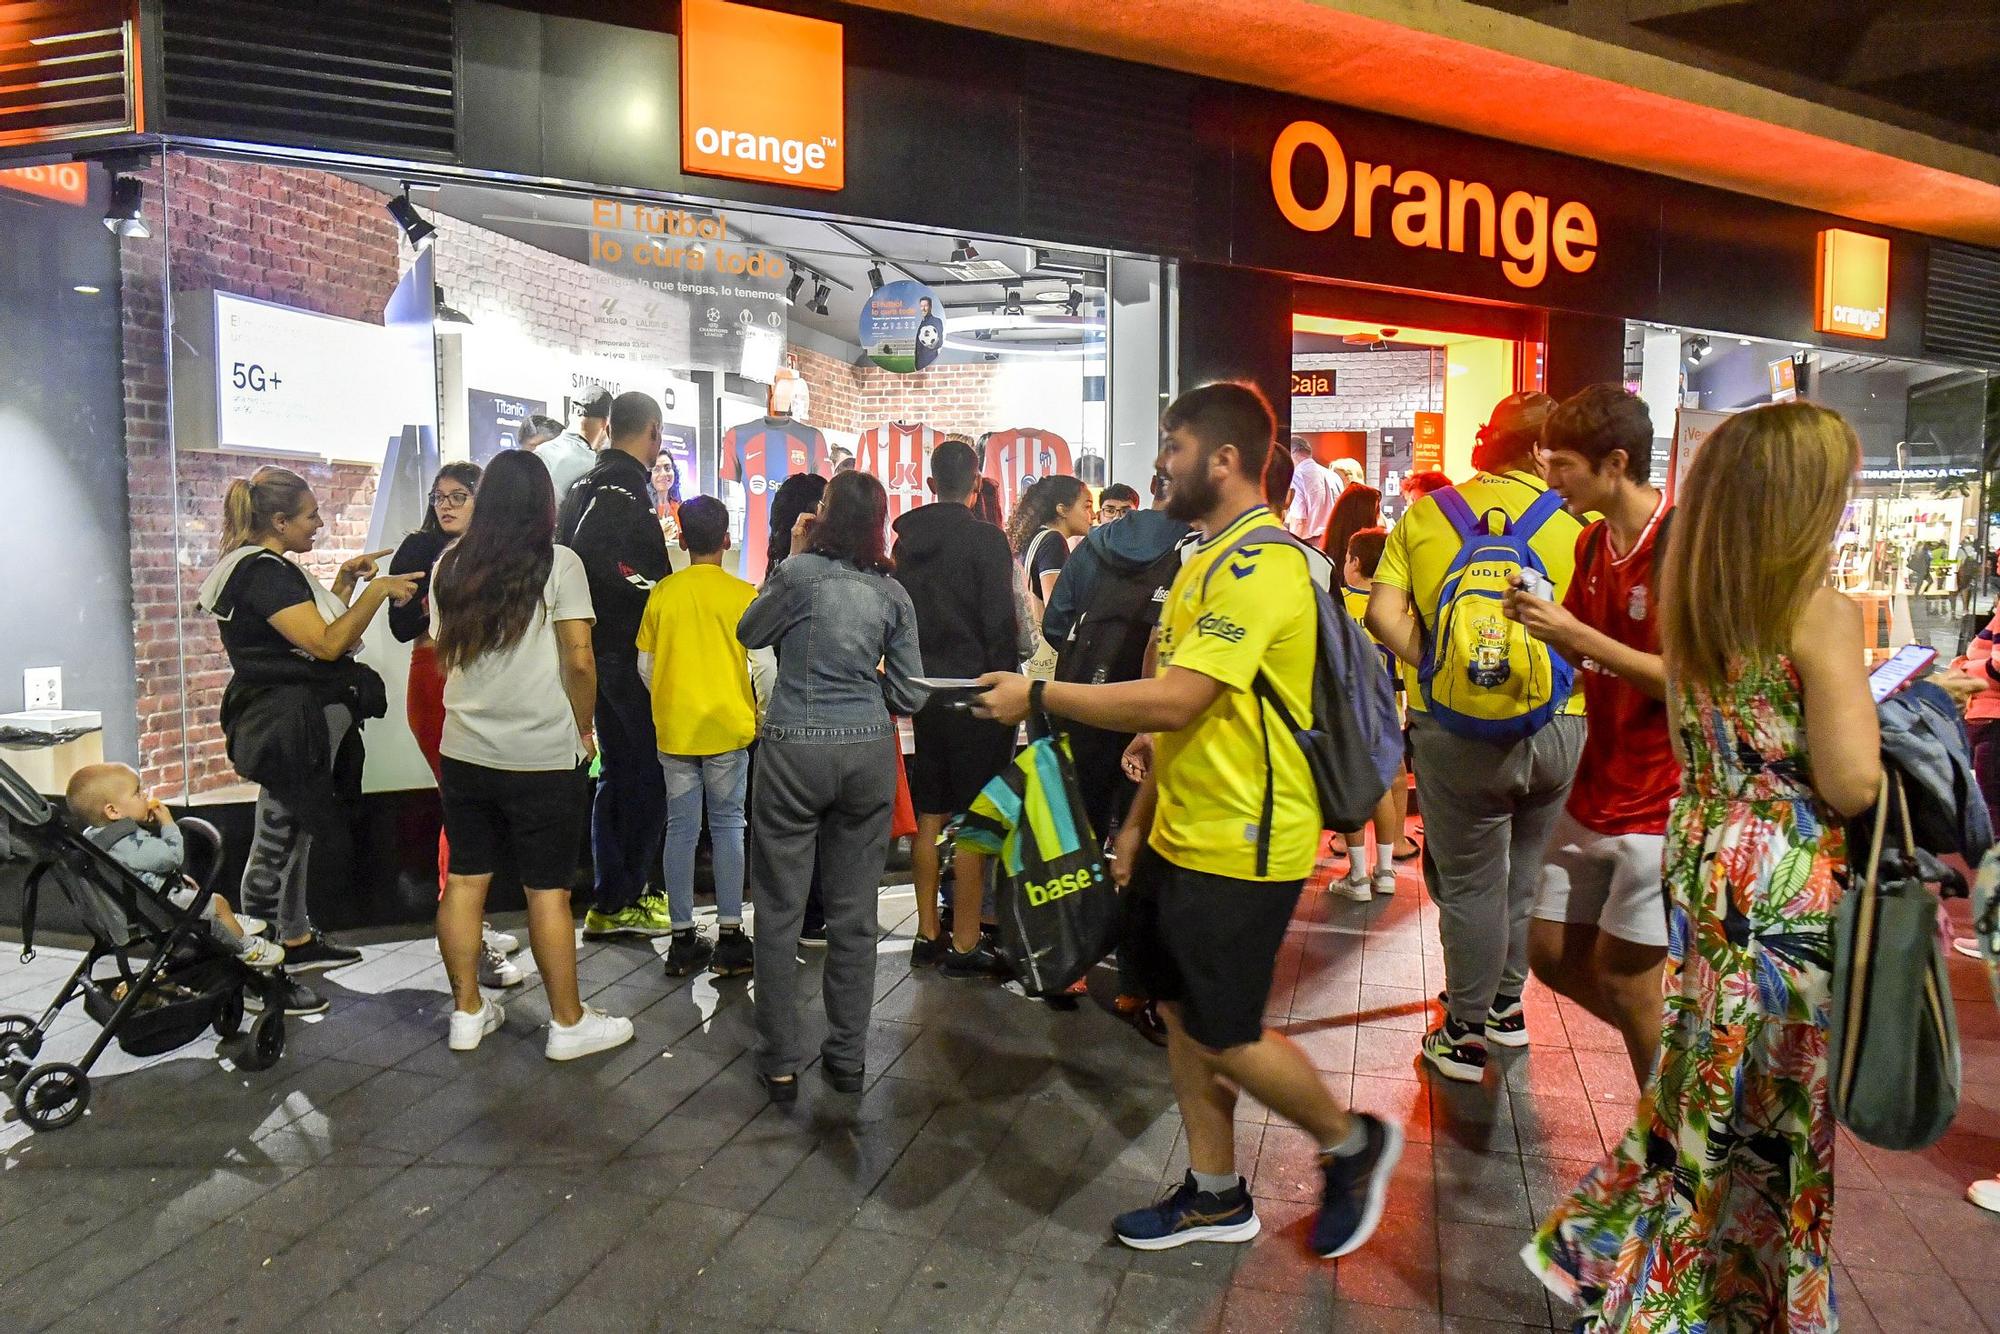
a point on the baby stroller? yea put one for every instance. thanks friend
(166, 982)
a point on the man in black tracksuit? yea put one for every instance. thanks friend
(610, 518)
(959, 573)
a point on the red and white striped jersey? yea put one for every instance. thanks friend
(898, 455)
(1019, 458)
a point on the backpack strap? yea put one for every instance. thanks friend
(1456, 511)
(1255, 537)
(1546, 506)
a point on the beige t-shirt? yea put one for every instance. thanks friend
(508, 710)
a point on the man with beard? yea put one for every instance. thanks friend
(1224, 831)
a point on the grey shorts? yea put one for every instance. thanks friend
(1609, 880)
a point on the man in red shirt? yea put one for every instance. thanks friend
(1600, 931)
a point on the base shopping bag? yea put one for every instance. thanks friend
(1894, 1061)
(1057, 905)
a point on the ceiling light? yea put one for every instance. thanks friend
(963, 253)
(1697, 351)
(795, 286)
(1073, 303)
(445, 314)
(1013, 306)
(1054, 294)
(821, 291)
(875, 283)
(125, 216)
(86, 289)
(419, 232)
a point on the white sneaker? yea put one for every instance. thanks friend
(1353, 886)
(468, 1029)
(1985, 1194)
(1385, 881)
(497, 970)
(498, 940)
(595, 1032)
(252, 926)
(1967, 945)
(261, 953)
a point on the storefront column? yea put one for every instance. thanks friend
(1585, 350)
(1236, 324)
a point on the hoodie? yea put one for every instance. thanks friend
(1122, 546)
(959, 574)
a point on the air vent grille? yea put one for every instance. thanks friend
(1103, 153)
(355, 75)
(1962, 304)
(65, 69)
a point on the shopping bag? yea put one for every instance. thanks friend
(1057, 905)
(903, 816)
(1894, 1060)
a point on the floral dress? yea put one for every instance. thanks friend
(1715, 1212)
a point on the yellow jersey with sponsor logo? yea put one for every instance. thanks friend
(1229, 620)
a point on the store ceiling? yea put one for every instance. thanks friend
(1476, 68)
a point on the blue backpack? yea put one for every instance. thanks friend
(1485, 677)
(1354, 742)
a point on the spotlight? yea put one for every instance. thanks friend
(875, 283)
(1698, 350)
(126, 216)
(1013, 306)
(821, 291)
(963, 253)
(419, 232)
(446, 314)
(1073, 303)
(795, 286)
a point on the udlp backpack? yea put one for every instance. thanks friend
(1484, 676)
(1353, 743)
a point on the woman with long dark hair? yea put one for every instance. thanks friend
(1355, 508)
(1053, 512)
(511, 616)
(291, 643)
(798, 494)
(846, 637)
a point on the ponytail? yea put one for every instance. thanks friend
(1037, 508)
(253, 504)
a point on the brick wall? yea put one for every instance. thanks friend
(302, 238)
(1373, 390)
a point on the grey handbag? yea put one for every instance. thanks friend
(1894, 1062)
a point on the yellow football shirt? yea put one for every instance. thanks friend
(1256, 614)
(1421, 548)
(702, 701)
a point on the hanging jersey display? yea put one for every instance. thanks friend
(1019, 458)
(759, 456)
(898, 455)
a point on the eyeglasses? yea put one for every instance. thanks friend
(451, 500)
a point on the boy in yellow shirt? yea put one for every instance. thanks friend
(1364, 553)
(703, 683)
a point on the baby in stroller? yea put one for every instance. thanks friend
(139, 834)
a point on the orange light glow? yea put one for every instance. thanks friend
(1853, 284)
(763, 96)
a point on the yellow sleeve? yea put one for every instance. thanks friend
(1394, 569)
(1248, 600)
(649, 621)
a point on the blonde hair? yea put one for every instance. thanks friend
(1753, 536)
(92, 788)
(254, 503)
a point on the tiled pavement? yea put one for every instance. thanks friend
(375, 1180)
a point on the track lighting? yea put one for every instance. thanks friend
(1073, 303)
(1013, 306)
(444, 313)
(821, 291)
(126, 216)
(875, 283)
(420, 233)
(795, 286)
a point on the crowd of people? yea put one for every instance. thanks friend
(1635, 749)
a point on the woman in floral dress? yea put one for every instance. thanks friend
(1715, 1212)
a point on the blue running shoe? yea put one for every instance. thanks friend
(1355, 1189)
(1189, 1214)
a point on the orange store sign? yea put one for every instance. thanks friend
(1520, 229)
(65, 182)
(763, 96)
(1428, 440)
(1852, 284)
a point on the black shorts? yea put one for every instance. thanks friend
(1209, 943)
(957, 754)
(533, 818)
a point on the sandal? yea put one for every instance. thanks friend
(1416, 850)
(782, 1089)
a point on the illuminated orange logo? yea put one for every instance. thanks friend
(1428, 439)
(1434, 215)
(763, 96)
(1853, 284)
(65, 182)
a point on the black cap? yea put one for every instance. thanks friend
(595, 403)
(1517, 415)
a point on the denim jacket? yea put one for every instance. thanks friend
(833, 627)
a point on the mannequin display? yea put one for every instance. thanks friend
(1018, 458)
(761, 454)
(898, 455)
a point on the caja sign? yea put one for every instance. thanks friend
(763, 96)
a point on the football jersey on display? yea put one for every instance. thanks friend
(1017, 459)
(898, 455)
(760, 455)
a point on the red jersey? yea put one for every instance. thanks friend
(1017, 459)
(1627, 779)
(760, 455)
(898, 456)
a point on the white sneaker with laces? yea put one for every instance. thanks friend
(595, 1032)
(252, 926)
(1353, 886)
(261, 953)
(1385, 881)
(468, 1029)
(498, 940)
(497, 970)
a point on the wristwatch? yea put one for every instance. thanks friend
(1035, 689)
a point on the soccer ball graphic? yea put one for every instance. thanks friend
(927, 337)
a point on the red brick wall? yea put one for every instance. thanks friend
(303, 238)
(948, 398)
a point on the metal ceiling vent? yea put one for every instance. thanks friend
(373, 76)
(1962, 304)
(65, 69)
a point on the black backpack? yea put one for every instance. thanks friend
(1107, 641)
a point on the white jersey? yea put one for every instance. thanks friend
(898, 455)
